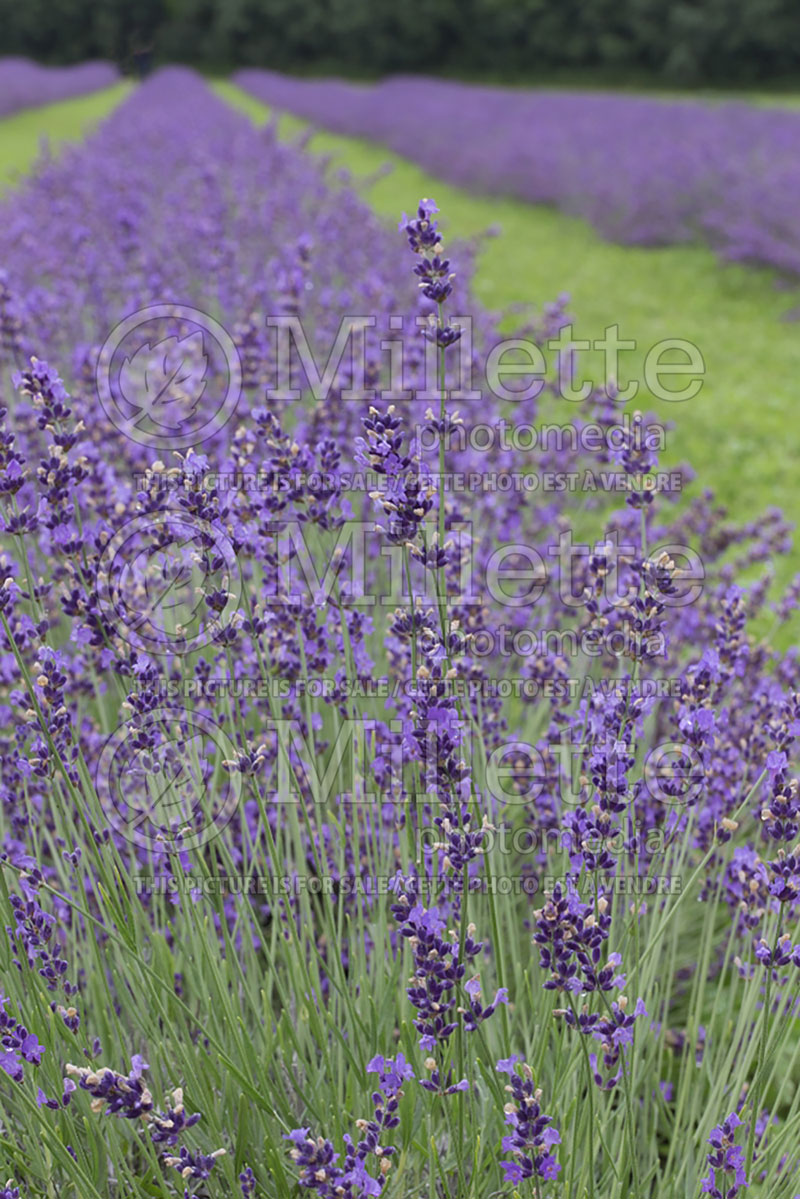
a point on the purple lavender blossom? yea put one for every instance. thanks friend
(725, 1160)
(167, 1127)
(532, 1135)
(392, 1072)
(196, 1166)
(113, 1094)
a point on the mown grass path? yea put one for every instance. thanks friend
(741, 432)
(21, 135)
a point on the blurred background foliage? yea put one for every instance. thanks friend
(718, 43)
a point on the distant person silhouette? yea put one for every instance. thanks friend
(142, 55)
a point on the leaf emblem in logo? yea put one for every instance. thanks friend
(165, 382)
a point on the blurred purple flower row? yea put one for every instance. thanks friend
(642, 171)
(26, 84)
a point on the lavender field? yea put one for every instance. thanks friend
(25, 84)
(396, 798)
(643, 171)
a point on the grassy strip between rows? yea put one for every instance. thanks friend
(22, 134)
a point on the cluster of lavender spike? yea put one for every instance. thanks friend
(128, 1098)
(69, 481)
(318, 1162)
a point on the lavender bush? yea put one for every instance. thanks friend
(642, 171)
(345, 848)
(26, 84)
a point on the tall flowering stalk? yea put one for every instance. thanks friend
(532, 1134)
(317, 1160)
(436, 285)
(726, 1167)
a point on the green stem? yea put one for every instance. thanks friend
(761, 1061)
(590, 1086)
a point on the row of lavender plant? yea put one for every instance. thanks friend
(412, 1008)
(642, 171)
(26, 84)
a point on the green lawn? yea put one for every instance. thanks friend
(21, 134)
(740, 432)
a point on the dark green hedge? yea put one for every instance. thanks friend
(713, 42)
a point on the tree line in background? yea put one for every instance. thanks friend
(721, 42)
